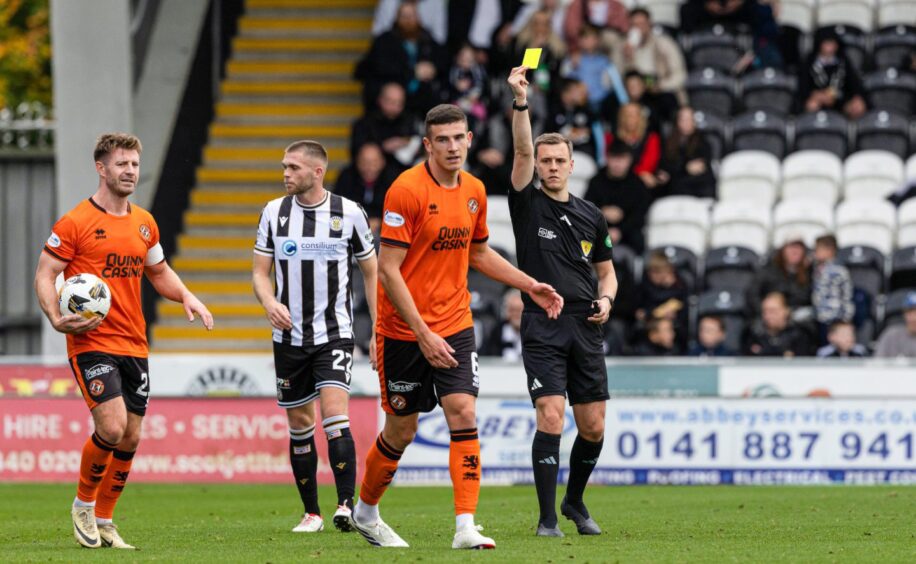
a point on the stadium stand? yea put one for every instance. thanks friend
(760, 130)
(742, 223)
(711, 91)
(808, 217)
(871, 174)
(769, 90)
(812, 174)
(826, 130)
(885, 131)
(750, 175)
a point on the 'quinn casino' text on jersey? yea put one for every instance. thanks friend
(313, 248)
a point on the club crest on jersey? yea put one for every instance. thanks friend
(145, 232)
(586, 247)
(336, 223)
(473, 206)
(393, 219)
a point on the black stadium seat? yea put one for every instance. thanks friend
(685, 263)
(769, 90)
(883, 130)
(715, 48)
(892, 90)
(730, 267)
(903, 268)
(714, 131)
(893, 46)
(866, 268)
(711, 92)
(759, 130)
(827, 131)
(730, 305)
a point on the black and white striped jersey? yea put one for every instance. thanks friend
(313, 248)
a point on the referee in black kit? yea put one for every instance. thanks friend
(560, 239)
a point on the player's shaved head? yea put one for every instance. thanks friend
(309, 148)
(107, 143)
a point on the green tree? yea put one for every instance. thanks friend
(25, 52)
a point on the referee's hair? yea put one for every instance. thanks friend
(444, 114)
(108, 142)
(552, 139)
(309, 148)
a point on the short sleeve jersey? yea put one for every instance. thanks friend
(116, 249)
(558, 242)
(437, 226)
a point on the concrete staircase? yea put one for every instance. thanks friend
(289, 78)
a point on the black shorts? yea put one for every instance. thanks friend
(564, 356)
(103, 376)
(303, 371)
(409, 384)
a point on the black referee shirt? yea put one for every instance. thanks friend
(557, 242)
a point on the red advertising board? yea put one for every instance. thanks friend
(184, 440)
(37, 381)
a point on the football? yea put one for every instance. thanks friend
(86, 295)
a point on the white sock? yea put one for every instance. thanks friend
(365, 513)
(464, 520)
(100, 521)
(77, 502)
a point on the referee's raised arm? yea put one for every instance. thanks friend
(523, 163)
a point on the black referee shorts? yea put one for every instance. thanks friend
(565, 356)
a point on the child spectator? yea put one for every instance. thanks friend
(842, 342)
(467, 84)
(659, 340)
(664, 294)
(594, 68)
(832, 286)
(711, 338)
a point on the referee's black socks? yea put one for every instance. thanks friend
(582, 461)
(545, 460)
(304, 460)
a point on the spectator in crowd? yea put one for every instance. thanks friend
(841, 339)
(366, 181)
(829, 81)
(900, 340)
(766, 49)
(655, 56)
(632, 129)
(609, 16)
(774, 334)
(506, 340)
(622, 198)
(555, 8)
(789, 273)
(538, 34)
(593, 67)
(659, 340)
(733, 14)
(408, 55)
(572, 118)
(711, 338)
(487, 156)
(664, 295)
(635, 91)
(468, 86)
(686, 168)
(390, 126)
(832, 286)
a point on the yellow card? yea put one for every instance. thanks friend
(532, 56)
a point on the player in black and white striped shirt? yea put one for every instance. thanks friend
(310, 237)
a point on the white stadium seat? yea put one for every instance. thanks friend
(896, 12)
(498, 210)
(502, 236)
(664, 12)
(810, 218)
(906, 224)
(741, 223)
(911, 169)
(866, 222)
(798, 14)
(681, 221)
(813, 174)
(577, 186)
(871, 174)
(854, 13)
(749, 175)
(584, 166)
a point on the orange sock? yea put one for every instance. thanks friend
(381, 465)
(464, 467)
(94, 464)
(113, 484)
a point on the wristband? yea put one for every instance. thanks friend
(609, 299)
(518, 108)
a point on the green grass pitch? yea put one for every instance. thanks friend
(236, 523)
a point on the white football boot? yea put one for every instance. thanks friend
(111, 539)
(310, 523)
(470, 537)
(378, 534)
(84, 527)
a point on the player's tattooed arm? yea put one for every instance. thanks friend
(169, 286)
(46, 274)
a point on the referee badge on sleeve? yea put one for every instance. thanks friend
(586, 248)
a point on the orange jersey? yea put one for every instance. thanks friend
(437, 226)
(114, 248)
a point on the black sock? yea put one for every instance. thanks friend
(304, 460)
(545, 459)
(342, 456)
(582, 461)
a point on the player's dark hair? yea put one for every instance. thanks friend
(108, 142)
(309, 148)
(444, 114)
(552, 139)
